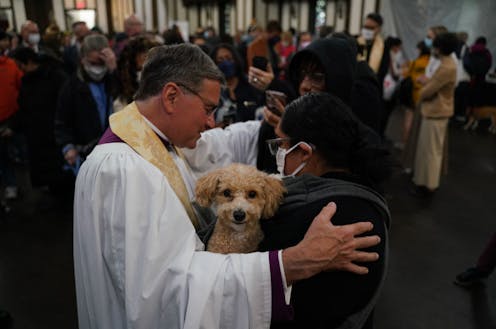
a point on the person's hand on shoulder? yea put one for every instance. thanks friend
(327, 247)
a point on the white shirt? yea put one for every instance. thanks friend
(217, 148)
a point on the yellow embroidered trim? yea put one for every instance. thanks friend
(129, 125)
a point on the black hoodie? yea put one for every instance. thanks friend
(339, 62)
(337, 58)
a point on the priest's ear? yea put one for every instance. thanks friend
(206, 188)
(170, 92)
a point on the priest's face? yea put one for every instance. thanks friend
(196, 112)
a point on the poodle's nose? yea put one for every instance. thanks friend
(239, 215)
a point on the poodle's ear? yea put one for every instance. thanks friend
(206, 187)
(274, 193)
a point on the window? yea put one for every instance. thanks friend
(80, 10)
(320, 14)
(7, 20)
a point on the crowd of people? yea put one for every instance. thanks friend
(124, 116)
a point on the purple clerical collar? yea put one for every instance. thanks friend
(110, 137)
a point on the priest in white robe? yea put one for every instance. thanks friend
(138, 260)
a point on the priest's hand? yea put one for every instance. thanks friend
(327, 247)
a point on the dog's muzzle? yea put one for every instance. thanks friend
(239, 216)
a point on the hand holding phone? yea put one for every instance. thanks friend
(260, 63)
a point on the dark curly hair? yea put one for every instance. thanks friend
(446, 43)
(326, 122)
(238, 62)
(126, 66)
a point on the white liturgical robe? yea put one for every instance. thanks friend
(138, 262)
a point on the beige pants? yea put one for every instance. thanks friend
(429, 154)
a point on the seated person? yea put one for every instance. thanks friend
(327, 158)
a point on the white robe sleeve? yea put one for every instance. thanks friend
(138, 263)
(220, 147)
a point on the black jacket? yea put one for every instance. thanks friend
(366, 96)
(71, 59)
(248, 99)
(327, 299)
(77, 120)
(37, 103)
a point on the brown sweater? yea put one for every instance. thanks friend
(437, 95)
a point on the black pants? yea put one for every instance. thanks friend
(461, 98)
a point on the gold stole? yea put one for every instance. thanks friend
(376, 52)
(130, 126)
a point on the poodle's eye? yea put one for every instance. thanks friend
(227, 193)
(252, 194)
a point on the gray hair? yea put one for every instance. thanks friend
(93, 42)
(183, 64)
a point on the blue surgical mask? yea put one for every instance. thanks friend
(228, 68)
(428, 42)
(247, 38)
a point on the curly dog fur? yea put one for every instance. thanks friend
(241, 196)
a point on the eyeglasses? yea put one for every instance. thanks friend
(315, 78)
(370, 27)
(207, 105)
(276, 143)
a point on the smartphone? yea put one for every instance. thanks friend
(260, 62)
(270, 96)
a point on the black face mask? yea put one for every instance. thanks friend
(274, 40)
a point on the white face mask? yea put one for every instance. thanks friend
(368, 34)
(398, 57)
(281, 160)
(96, 72)
(34, 38)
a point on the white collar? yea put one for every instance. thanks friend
(155, 129)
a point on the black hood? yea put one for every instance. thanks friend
(336, 56)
